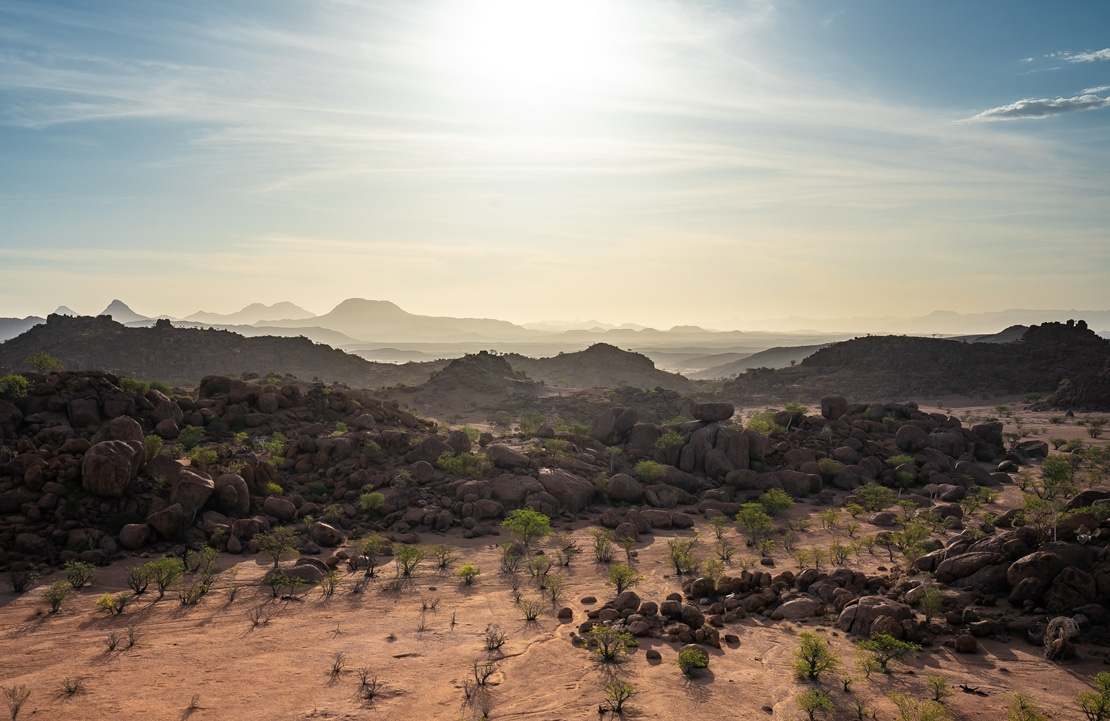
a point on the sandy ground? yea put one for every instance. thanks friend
(282, 669)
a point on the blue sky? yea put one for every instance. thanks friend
(653, 161)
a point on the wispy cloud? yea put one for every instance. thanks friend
(1041, 108)
(1088, 57)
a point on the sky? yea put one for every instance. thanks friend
(651, 161)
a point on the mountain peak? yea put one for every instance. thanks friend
(121, 313)
(65, 310)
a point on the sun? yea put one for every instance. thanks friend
(533, 51)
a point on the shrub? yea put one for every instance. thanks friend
(617, 692)
(899, 460)
(79, 574)
(875, 497)
(611, 643)
(409, 557)
(114, 604)
(680, 552)
(530, 608)
(829, 468)
(755, 521)
(471, 432)
(14, 386)
(527, 524)
(624, 577)
(912, 709)
(670, 439)
(22, 579)
(468, 465)
(650, 472)
(885, 648)
(814, 657)
(775, 501)
(691, 659)
(44, 362)
(191, 437)
(153, 445)
(55, 594)
(276, 543)
(1096, 705)
(603, 545)
(815, 701)
(1022, 708)
(468, 573)
(16, 696)
(164, 572)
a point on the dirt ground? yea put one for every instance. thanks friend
(208, 661)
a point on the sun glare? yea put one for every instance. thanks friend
(533, 51)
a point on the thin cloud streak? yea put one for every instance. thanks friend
(1041, 108)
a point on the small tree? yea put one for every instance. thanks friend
(527, 524)
(617, 692)
(938, 685)
(885, 648)
(370, 551)
(79, 574)
(775, 501)
(603, 545)
(409, 557)
(624, 577)
(468, 573)
(1095, 705)
(815, 701)
(912, 709)
(44, 362)
(1022, 708)
(611, 643)
(164, 572)
(757, 524)
(277, 543)
(56, 594)
(814, 657)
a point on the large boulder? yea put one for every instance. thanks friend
(859, 618)
(797, 608)
(232, 494)
(623, 488)
(83, 412)
(833, 406)
(279, 508)
(965, 564)
(192, 489)
(911, 439)
(612, 425)
(573, 492)
(510, 491)
(712, 412)
(134, 536)
(735, 446)
(1043, 565)
(109, 467)
(123, 428)
(505, 457)
(327, 535)
(171, 523)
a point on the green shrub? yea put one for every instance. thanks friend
(468, 573)
(272, 489)
(1096, 706)
(527, 524)
(875, 497)
(14, 386)
(164, 572)
(829, 468)
(814, 657)
(901, 459)
(775, 501)
(670, 439)
(885, 648)
(191, 437)
(624, 577)
(691, 659)
(153, 445)
(815, 701)
(340, 428)
(471, 432)
(79, 574)
(612, 643)
(650, 472)
(467, 465)
(133, 385)
(371, 502)
(55, 594)
(44, 362)
(114, 604)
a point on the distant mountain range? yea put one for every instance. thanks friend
(939, 322)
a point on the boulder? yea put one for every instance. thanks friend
(171, 523)
(612, 425)
(712, 412)
(1042, 565)
(232, 494)
(965, 564)
(192, 489)
(83, 412)
(110, 466)
(572, 492)
(911, 439)
(123, 428)
(1033, 449)
(735, 446)
(327, 536)
(459, 441)
(797, 608)
(279, 508)
(833, 406)
(167, 429)
(623, 488)
(134, 536)
(858, 618)
(505, 457)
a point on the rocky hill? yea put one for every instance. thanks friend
(909, 367)
(599, 366)
(185, 355)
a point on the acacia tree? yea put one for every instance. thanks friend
(277, 543)
(814, 657)
(527, 524)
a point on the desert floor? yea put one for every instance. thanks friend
(208, 661)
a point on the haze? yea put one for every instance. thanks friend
(657, 162)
